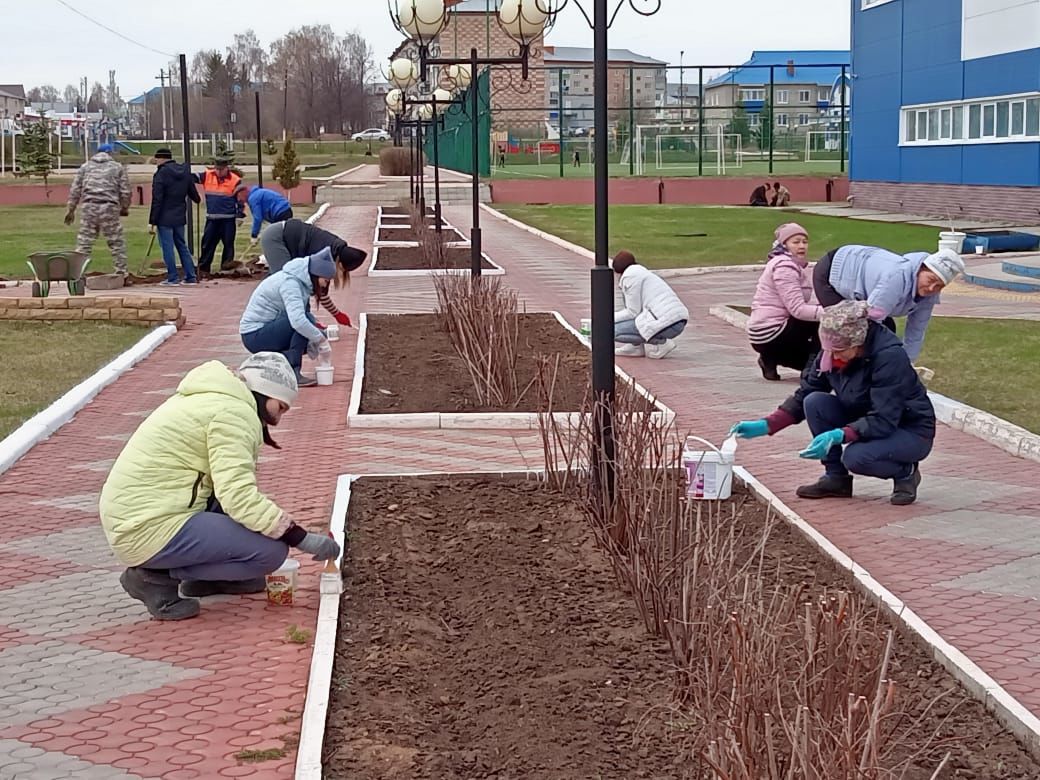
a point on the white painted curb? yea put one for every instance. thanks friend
(1023, 723)
(448, 228)
(664, 273)
(515, 421)
(323, 655)
(994, 430)
(374, 270)
(42, 425)
(313, 218)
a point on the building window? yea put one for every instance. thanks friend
(991, 120)
(825, 95)
(803, 119)
(782, 96)
(753, 120)
(804, 96)
(781, 120)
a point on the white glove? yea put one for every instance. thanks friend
(320, 347)
(324, 347)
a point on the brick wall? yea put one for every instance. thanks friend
(516, 103)
(141, 309)
(953, 201)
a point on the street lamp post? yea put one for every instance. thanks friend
(682, 93)
(524, 21)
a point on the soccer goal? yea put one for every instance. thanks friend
(825, 145)
(661, 148)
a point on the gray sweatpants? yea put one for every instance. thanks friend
(212, 546)
(273, 245)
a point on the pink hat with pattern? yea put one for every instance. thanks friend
(788, 231)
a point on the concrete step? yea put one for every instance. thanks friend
(1022, 266)
(993, 275)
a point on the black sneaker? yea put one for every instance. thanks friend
(202, 588)
(827, 486)
(768, 372)
(305, 381)
(157, 590)
(904, 491)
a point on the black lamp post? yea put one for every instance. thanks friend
(524, 21)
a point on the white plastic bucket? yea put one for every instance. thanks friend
(324, 375)
(952, 239)
(281, 583)
(332, 332)
(709, 473)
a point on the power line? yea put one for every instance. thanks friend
(114, 32)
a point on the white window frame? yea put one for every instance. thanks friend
(823, 95)
(784, 116)
(782, 97)
(803, 120)
(807, 96)
(934, 124)
(754, 91)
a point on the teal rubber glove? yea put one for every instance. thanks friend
(822, 444)
(750, 429)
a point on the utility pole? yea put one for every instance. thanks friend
(162, 99)
(169, 80)
(187, 145)
(285, 103)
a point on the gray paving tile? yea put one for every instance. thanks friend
(86, 546)
(84, 502)
(974, 528)
(74, 603)
(34, 763)
(67, 676)
(1018, 578)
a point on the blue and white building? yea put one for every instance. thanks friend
(946, 116)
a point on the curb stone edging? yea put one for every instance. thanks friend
(991, 429)
(1008, 711)
(313, 218)
(323, 654)
(43, 424)
(993, 696)
(375, 270)
(472, 420)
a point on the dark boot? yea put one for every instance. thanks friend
(201, 588)
(904, 491)
(157, 590)
(305, 381)
(827, 486)
(768, 372)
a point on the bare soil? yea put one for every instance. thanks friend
(482, 635)
(409, 234)
(410, 258)
(411, 366)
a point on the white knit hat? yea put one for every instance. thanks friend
(269, 373)
(946, 264)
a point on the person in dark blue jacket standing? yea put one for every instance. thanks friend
(172, 186)
(865, 405)
(222, 209)
(265, 205)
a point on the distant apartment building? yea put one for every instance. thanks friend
(682, 100)
(798, 85)
(12, 100)
(634, 81)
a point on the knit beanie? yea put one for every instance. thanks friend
(622, 261)
(351, 257)
(269, 374)
(788, 231)
(842, 326)
(321, 264)
(946, 264)
(105, 148)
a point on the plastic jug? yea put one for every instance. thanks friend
(709, 473)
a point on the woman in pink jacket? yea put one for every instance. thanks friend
(784, 315)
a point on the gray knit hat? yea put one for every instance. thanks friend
(269, 374)
(946, 264)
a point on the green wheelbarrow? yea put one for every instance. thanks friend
(67, 266)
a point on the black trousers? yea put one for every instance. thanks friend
(287, 214)
(793, 347)
(826, 294)
(217, 231)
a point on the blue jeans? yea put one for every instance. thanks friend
(212, 546)
(279, 336)
(169, 239)
(627, 333)
(893, 457)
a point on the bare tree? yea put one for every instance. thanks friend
(72, 96)
(46, 93)
(250, 56)
(96, 101)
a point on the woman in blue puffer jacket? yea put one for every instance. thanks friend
(278, 316)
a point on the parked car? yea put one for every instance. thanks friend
(371, 134)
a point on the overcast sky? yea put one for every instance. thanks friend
(49, 43)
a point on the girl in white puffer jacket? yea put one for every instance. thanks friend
(653, 314)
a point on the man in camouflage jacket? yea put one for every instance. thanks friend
(102, 186)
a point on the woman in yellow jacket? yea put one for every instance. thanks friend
(181, 507)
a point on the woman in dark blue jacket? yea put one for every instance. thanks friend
(865, 405)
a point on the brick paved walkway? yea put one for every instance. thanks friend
(92, 689)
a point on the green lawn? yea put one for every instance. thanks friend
(735, 236)
(988, 364)
(43, 360)
(28, 229)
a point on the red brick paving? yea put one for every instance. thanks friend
(247, 683)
